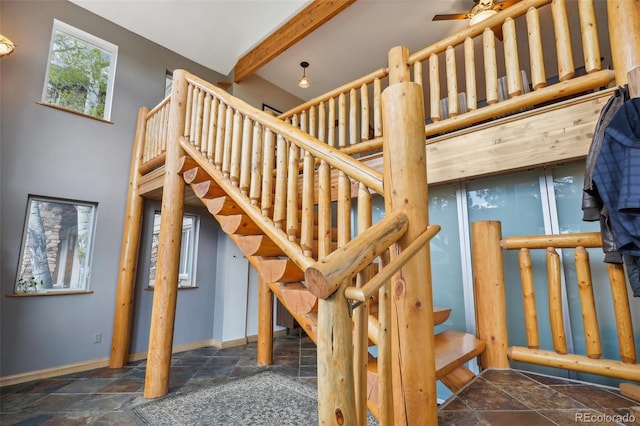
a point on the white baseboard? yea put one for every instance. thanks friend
(104, 362)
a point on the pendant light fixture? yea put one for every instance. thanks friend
(304, 81)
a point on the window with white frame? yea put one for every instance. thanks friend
(188, 250)
(80, 72)
(56, 246)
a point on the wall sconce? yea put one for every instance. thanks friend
(304, 81)
(6, 46)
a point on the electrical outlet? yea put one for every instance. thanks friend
(97, 338)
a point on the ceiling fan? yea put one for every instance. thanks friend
(482, 9)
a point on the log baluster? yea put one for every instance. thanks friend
(364, 112)
(529, 299)
(206, 116)
(342, 121)
(219, 146)
(385, 383)
(377, 110)
(188, 111)
(213, 129)
(536, 57)
(490, 65)
(293, 226)
(588, 303)
(452, 81)
(241, 165)
(417, 73)
(511, 59)
(280, 203)
(331, 140)
(229, 132)
(240, 127)
(555, 301)
(306, 232)
(254, 177)
(622, 312)
(197, 139)
(470, 74)
(589, 31)
(566, 69)
(269, 165)
(434, 87)
(353, 117)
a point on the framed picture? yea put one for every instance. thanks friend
(267, 108)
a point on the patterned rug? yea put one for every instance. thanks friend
(263, 399)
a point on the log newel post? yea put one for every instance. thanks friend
(405, 188)
(123, 316)
(166, 285)
(624, 36)
(265, 322)
(336, 394)
(489, 290)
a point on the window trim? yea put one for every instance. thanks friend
(90, 39)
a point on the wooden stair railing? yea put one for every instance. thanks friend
(489, 281)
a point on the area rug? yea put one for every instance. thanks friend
(264, 399)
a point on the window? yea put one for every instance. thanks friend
(56, 246)
(80, 72)
(188, 250)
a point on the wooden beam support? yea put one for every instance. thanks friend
(295, 29)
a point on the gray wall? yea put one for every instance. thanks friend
(53, 153)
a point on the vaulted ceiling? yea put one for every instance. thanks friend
(341, 39)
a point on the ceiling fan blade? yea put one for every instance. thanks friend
(505, 4)
(451, 16)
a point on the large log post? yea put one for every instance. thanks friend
(166, 287)
(265, 322)
(624, 36)
(405, 187)
(488, 281)
(122, 319)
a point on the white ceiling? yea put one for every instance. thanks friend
(216, 33)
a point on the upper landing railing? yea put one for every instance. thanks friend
(456, 95)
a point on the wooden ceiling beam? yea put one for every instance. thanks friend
(295, 29)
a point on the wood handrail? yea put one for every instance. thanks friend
(582, 239)
(332, 156)
(363, 293)
(326, 275)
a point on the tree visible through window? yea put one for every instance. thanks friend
(80, 72)
(56, 246)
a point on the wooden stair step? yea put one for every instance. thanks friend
(308, 322)
(222, 206)
(258, 245)
(440, 315)
(452, 349)
(239, 224)
(195, 175)
(280, 270)
(207, 189)
(297, 298)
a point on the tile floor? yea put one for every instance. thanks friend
(510, 397)
(497, 397)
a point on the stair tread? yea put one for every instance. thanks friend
(454, 348)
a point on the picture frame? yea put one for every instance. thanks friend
(271, 109)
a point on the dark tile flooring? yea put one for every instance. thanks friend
(510, 397)
(100, 397)
(497, 397)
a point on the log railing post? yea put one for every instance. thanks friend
(123, 316)
(624, 36)
(405, 187)
(166, 286)
(489, 290)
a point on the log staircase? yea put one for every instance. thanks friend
(286, 280)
